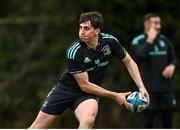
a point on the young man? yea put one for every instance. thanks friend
(79, 87)
(156, 60)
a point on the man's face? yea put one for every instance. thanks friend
(154, 22)
(87, 32)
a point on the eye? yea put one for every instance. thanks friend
(87, 28)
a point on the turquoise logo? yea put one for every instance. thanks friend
(86, 60)
(106, 50)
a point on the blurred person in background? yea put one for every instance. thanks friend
(79, 88)
(155, 56)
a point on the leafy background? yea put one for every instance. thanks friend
(34, 36)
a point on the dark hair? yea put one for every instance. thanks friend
(150, 15)
(94, 17)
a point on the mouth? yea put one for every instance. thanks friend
(158, 30)
(82, 37)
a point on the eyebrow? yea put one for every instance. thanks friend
(85, 26)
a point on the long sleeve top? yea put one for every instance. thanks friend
(152, 60)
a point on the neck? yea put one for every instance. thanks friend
(93, 43)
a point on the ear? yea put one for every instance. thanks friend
(97, 31)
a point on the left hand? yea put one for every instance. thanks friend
(145, 94)
(168, 71)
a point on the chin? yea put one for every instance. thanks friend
(84, 40)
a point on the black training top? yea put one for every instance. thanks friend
(152, 59)
(82, 58)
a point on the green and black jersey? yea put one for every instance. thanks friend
(82, 58)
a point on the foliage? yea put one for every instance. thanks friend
(34, 36)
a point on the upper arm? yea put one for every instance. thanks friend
(117, 49)
(129, 62)
(75, 59)
(171, 54)
(127, 59)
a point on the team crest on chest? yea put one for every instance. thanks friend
(106, 50)
(161, 43)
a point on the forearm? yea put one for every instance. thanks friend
(97, 90)
(134, 72)
(88, 87)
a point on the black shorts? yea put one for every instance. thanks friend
(161, 101)
(60, 98)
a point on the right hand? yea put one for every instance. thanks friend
(121, 98)
(151, 34)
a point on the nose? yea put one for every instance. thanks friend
(81, 31)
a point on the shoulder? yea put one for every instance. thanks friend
(73, 50)
(136, 40)
(109, 37)
(164, 38)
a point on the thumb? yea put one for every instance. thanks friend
(127, 93)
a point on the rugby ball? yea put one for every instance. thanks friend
(136, 103)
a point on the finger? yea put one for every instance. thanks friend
(170, 75)
(148, 99)
(143, 95)
(165, 74)
(153, 26)
(126, 105)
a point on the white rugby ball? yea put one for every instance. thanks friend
(136, 103)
